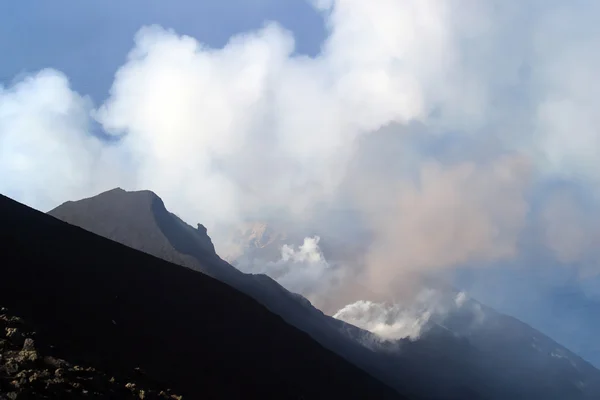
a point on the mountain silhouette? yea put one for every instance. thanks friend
(97, 302)
(454, 359)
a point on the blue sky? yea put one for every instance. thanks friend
(88, 41)
(480, 125)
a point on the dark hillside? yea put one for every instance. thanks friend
(26, 373)
(139, 219)
(473, 353)
(98, 302)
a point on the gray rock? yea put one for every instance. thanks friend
(28, 345)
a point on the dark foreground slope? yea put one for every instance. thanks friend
(100, 303)
(28, 373)
(497, 358)
(140, 220)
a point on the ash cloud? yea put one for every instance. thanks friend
(482, 102)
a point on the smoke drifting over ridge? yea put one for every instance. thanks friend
(223, 133)
(302, 270)
(398, 321)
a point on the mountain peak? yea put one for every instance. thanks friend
(471, 352)
(112, 309)
(139, 219)
(138, 194)
(117, 194)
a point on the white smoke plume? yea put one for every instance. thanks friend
(302, 270)
(394, 321)
(390, 322)
(220, 133)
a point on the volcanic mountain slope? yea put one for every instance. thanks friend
(140, 220)
(251, 245)
(475, 338)
(98, 303)
(454, 359)
(471, 343)
(25, 373)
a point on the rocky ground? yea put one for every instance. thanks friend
(26, 373)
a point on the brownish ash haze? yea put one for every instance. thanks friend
(439, 335)
(412, 143)
(466, 213)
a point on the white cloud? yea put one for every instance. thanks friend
(46, 149)
(568, 92)
(219, 133)
(250, 120)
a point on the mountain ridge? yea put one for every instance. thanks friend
(490, 364)
(111, 308)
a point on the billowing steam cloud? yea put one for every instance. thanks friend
(303, 270)
(390, 322)
(396, 321)
(223, 134)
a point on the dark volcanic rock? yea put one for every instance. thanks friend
(141, 221)
(98, 303)
(501, 359)
(26, 374)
